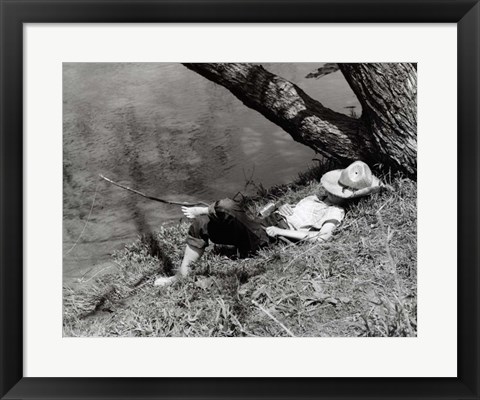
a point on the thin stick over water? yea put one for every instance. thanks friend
(176, 203)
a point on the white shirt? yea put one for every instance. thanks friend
(311, 213)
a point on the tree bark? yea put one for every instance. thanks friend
(388, 95)
(334, 135)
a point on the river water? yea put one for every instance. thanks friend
(170, 133)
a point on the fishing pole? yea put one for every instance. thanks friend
(176, 203)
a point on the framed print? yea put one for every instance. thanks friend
(219, 199)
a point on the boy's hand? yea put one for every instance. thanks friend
(272, 231)
(192, 212)
(285, 210)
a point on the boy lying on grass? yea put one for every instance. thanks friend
(225, 222)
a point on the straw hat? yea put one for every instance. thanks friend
(354, 181)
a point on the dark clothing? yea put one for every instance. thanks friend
(227, 223)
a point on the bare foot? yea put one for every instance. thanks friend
(164, 281)
(192, 212)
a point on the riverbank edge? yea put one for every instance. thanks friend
(361, 283)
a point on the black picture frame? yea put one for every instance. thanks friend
(14, 13)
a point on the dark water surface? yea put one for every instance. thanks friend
(171, 133)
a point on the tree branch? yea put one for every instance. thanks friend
(334, 135)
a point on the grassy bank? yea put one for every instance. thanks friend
(361, 283)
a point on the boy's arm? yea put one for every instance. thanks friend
(322, 235)
(325, 233)
(216, 209)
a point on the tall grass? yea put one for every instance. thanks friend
(360, 283)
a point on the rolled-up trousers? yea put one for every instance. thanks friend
(228, 224)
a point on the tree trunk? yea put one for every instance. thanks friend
(385, 134)
(388, 94)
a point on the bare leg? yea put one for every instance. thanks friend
(191, 255)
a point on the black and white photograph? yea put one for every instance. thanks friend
(239, 199)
